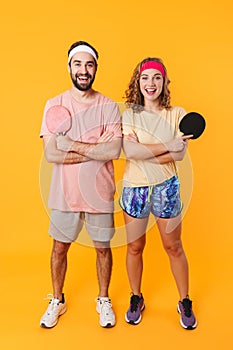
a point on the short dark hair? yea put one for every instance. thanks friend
(77, 43)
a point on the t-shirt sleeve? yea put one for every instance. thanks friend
(113, 124)
(44, 130)
(127, 122)
(181, 112)
(54, 101)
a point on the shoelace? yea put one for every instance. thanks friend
(52, 302)
(106, 306)
(187, 305)
(134, 302)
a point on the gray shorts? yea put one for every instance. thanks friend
(66, 226)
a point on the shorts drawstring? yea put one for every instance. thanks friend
(150, 190)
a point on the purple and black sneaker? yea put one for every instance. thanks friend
(133, 315)
(187, 318)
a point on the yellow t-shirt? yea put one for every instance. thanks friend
(150, 128)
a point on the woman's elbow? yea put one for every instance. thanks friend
(181, 155)
(131, 155)
(178, 157)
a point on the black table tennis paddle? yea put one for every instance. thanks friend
(192, 123)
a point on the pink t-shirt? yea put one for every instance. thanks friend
(89, 186)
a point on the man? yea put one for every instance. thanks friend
(82, 187)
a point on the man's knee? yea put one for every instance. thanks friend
(60, 249)
(102, 248)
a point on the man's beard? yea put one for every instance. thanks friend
(84, 86)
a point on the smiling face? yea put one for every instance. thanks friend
(82, 69)
(151, 85)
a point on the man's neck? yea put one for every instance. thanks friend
(83, 96)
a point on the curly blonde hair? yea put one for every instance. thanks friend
(134, 97)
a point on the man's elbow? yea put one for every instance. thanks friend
(114, 153)
(48, 157)
(51, 158)
(116, 150)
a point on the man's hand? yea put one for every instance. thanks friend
(64, 143)
(105, 137)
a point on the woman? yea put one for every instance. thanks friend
(152, 144)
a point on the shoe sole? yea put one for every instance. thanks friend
(134, 323)
(108, 325)
(43, 325)
(189, 328)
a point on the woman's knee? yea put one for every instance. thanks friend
(174, 249)
(136, 247)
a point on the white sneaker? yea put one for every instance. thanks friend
(104, 309)
(55, 309)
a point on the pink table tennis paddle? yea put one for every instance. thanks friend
(58, 120)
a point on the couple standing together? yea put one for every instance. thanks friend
(82, 188)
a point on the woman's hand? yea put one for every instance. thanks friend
(178, 144)
(131, 137)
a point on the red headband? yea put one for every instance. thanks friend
(154, 65)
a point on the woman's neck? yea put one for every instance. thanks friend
(153, 107)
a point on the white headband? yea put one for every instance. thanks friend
(81, 48)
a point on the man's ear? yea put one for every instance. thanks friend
(68, 67)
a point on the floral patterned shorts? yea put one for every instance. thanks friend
(162, 200)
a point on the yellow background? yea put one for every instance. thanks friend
(194, 38)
